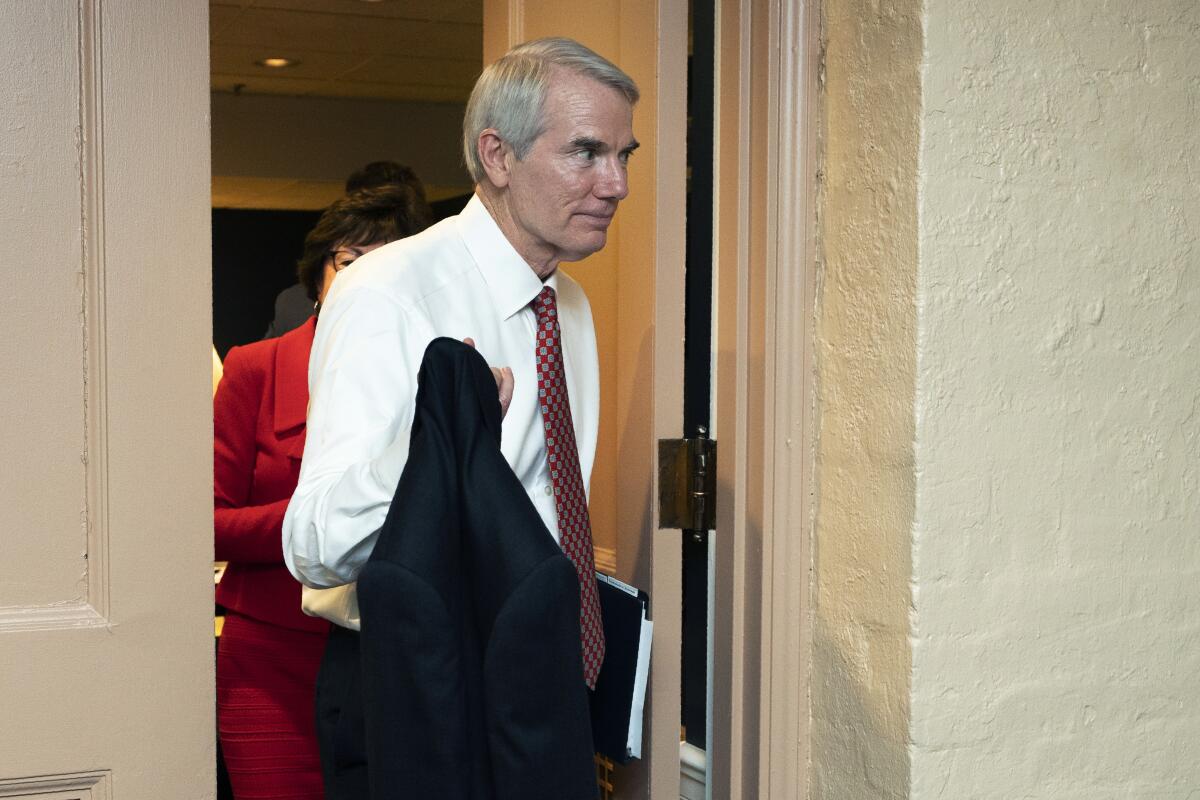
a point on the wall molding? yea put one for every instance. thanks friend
(764, 306)
(92, 609)
(23, 619)
(790, 478)
(693, 772)
(96, 341)
(76, 786)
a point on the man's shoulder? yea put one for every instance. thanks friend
(410, 269)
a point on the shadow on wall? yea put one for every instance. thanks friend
(858, 750)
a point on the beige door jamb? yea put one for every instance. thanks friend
(765, 262)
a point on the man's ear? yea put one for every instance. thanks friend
(495, 156)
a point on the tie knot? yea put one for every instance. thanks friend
(544, 304)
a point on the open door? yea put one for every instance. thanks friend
(106, 644)
(636, 288)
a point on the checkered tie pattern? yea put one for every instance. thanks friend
(562, 455)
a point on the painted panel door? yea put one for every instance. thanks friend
(635, 286)
(106, 647)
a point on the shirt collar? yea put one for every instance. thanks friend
(512, 283)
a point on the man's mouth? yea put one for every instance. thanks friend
(598, 218)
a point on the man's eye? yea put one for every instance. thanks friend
(587, 155)
(341, 265)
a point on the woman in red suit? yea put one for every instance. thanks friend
(269, 651)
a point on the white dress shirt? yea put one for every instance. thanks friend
(460, 278)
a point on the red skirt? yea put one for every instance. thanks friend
(266, 719)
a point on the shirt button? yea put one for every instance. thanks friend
(549, 489)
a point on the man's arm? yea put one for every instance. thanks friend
(362, 383)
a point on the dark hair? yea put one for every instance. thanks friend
(382, 173)
(383, 214)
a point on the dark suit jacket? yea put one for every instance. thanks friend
(258, 437)
(472, 674)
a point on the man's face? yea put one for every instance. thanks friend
(564, 193)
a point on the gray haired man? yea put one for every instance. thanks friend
(547, 139)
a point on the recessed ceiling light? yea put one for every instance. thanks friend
(277, 62)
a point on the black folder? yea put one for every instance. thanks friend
(620, 693)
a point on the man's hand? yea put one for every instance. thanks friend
(504, 381)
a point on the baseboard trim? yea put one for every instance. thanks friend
(693, 768)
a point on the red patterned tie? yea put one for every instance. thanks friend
(574, 526)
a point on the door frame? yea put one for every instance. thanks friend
(765, 263)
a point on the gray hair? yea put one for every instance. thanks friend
(511, 93)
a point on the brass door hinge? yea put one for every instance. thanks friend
(687, 484)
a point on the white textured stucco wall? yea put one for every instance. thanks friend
(1056, 550)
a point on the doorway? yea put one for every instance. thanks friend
(760, 245)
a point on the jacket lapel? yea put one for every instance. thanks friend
(291, 385)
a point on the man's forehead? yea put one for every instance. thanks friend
(585, 105)
(569, 86)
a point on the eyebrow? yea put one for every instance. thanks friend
(590, 143)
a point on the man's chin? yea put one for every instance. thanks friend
(585, 246)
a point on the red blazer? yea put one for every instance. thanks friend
(258, 431)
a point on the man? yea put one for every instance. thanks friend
(547, 138)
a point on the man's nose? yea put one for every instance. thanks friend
(613, 182)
